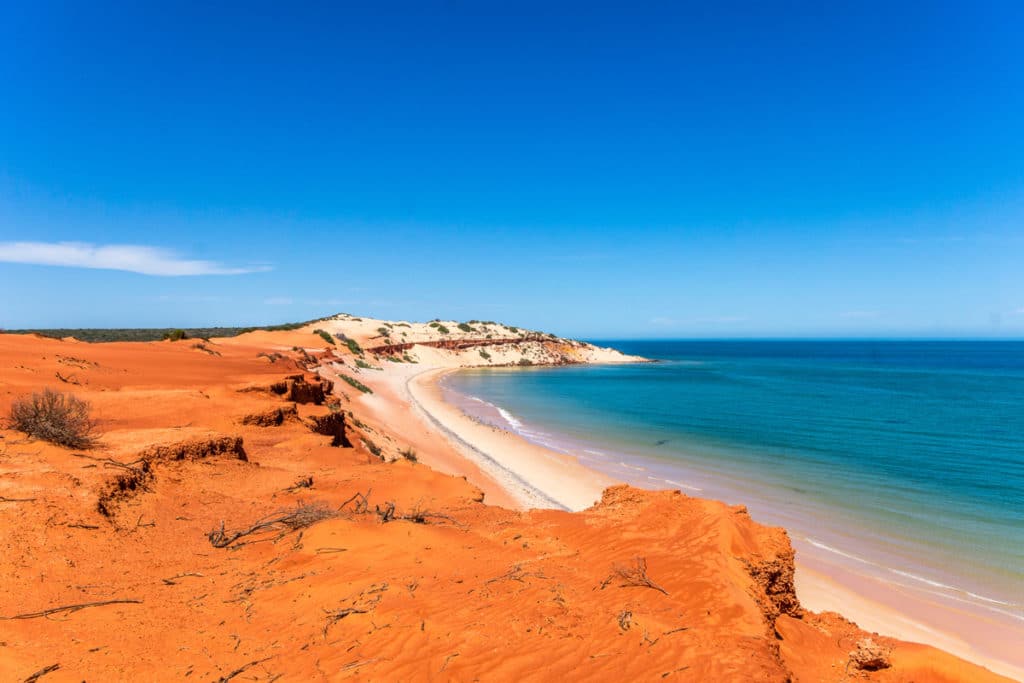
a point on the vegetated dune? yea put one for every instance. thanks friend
(243, 517)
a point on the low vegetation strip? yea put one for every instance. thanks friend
(357, 384)
(154, 333)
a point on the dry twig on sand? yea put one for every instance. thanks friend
(42, 672)
(283, 522)
(635, 574)
(241, 669)
(72, 608)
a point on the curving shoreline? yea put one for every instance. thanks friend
(537, 476)
(822, 586)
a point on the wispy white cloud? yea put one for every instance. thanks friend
(1020, 311)
(127, 257)
(859, 314)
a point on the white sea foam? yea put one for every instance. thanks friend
(508, 417)
(837, 551)
(682, 486)
(915, 577)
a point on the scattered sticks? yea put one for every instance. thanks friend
(72, 608)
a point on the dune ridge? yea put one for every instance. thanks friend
(271, 507)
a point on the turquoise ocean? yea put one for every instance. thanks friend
(903, 460)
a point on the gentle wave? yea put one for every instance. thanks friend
(946, 589)
(676, 483)
(508, 417)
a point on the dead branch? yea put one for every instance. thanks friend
(42, 672)
(448, 659)
(109, 462)
(138, 523)
(303, 483)
(241, 669)
(72, 608)
(675, 671)
(172, 580)
(82, 526)
(387, 513)
(4, 499)
(70, 379)
(625, 619)
(635, 574)
(335, 616)
(419, 516)
(283, 522)
(362, 502)
(516, 573)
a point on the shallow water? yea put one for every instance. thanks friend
(904, 460)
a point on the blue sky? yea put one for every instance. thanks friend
(630, 170)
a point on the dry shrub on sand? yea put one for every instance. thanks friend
(59, 418)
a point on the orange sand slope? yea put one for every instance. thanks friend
(235, 523)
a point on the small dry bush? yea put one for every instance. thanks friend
(51, 416)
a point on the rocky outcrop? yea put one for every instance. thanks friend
(297, 389)
(275, 417)
(870, 656)
(138, 475)
(196, 449)
(776, 589)
(332, 425)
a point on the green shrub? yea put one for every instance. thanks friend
(525, 361)
(384, 332)
(485, 355)
(409, 454)
(353, 346)
(513, 329)
(325, 335)
(442, 329)
(394, 359)
(373, 448)
(466, 328)
(409, 359)
(59, 418)
(357, 384)
(360, 363)
(175, 335)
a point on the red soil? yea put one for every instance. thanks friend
(445, 587)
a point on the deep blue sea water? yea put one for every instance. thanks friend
(906, 457)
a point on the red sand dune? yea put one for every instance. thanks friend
(416, 579)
